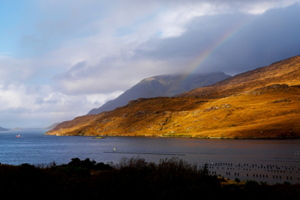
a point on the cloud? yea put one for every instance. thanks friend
(256, 42)
(76, 56)
(21, 103)
(267, 38)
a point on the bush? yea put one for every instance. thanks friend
(132, 178)
(286, 183)
(88, 164)
(102, 166)
(73, 170)
(169, 179)
(249, 185)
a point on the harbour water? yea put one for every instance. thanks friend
(268, 160)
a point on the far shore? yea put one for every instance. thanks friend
(188, 137)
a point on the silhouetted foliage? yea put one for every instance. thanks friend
(237, 180)
(88, 164)
(287, 183)
(251, 185)
(131, 178)
(102, 166)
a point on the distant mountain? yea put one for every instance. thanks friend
(52, 126)
(161, 86)
(17, 128)
(3, 129)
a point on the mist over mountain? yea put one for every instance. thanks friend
(162, 86)
(3, 129)
(52, 126)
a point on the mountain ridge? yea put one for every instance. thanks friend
(52, 126)
(3, 129)
(261, 103)
(264, 79)
(161, 86)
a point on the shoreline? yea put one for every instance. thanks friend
(187, 137)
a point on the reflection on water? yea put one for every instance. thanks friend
(264, 160)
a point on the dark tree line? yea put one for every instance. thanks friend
(130, 179)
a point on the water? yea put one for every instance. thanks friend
(264, 160)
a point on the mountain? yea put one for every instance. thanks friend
(262, 103)
(52, 126)
(3, 129)
(161, 86)
(282, 72)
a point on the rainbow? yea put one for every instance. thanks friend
(218, 43)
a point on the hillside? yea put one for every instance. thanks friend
(52, 126)
(261, 103)
(161, 86)
(282, 72)
(3, 129)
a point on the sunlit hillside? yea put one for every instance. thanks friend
(261, 103)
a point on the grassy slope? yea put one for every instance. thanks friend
(249, 105)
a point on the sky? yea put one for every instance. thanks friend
(61, 58)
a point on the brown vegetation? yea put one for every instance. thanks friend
(263, 103)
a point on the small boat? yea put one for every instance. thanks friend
(100, 137)
(18, 135)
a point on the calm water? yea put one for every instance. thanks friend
(262, 160)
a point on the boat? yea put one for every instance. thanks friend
(18, 135)
(100, 137)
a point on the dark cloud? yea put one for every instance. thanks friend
(254, 41)
(268, 38)
(201, 33)
(260, 40)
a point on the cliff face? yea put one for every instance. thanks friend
(261, 103)
(161, 86)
